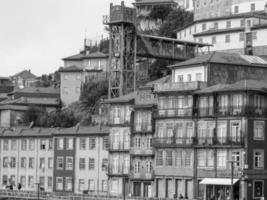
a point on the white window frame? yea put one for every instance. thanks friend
(256, 135)
(262, 158)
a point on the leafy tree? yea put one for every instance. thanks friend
(176, 19)
(160, 12)
(32, 114)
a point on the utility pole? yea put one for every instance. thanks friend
(232, 179)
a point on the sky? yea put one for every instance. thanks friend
(37, 34)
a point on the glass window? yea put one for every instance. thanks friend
(5, 162)
(204, 26)
(105, 143)
(241, 36)
(159, 158)
(168, 158)
(188, 158)
(198, 76)
(82, 143)
(104, 164)
(49, 181)
(31, 162)
(227, 39)
(81, 184)
(82, 163)
(221, 158)
(236, 158)
(13, 162)
(215, 25)
(258, 159)
(252, 7)
(236, 9)
(242, 23)
(210, 158)
(189, 77)
(259, 129)
(23, 181)
(59, 163)
(42, 181)
(258, 189)
(4, 180)
(91, 185)
(30, 182)
(213, 40)
(50, 163)
(69, 163)
(180, 78)
(91, 163)
(23, 144)
(31, 144)
(42, 144)
(228, 24)
(23, 162)
(201, 158)
(6, 144)
(50, 144)
(42, 163)
(59, 183)
(104, 185)
(68, 186)
(69, 143)
(178, 158)
(91, 143)
(13, 144)
(60, 143)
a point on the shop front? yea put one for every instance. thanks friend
(219, 188)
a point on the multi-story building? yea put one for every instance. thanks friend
(143, 9)
(200, 129)
(24, 79)
(119, 148)
(27, 158)
(19, 101)
(188, 5)
(242, 29)
(6, 87)
(78, 69)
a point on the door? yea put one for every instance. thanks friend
(137, 189)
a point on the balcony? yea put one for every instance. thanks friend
(220, 141)
(206, 112)
(142, 174)
(177, 112)
(241, 111)
(149, 151)
(142, 127)
(119, 147)
(120, 170)
(181, 86)
(173, 141)
(113, 121)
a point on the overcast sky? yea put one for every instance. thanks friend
(37, 34)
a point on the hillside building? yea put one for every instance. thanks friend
(24, 79)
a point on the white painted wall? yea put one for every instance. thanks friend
(192, 71)
(245, 6)
(5, 118)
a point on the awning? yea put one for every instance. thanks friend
(217, 181)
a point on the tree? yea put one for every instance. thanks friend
(177, 18)
(160, 12)
(32, 115)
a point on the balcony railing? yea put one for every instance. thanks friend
(141, 174)
(118, 121)
(142, 127)
(142, 151)
(179, 86)
(241, 110)
(173, 141)
(209, 111)
(121, 146)
(220, 141)
(176, 112)
(118, 170)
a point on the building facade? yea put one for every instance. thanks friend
(24, 79)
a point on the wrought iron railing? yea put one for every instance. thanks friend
(120, 146)
(179, 86)
(174, 112)
(143, 127)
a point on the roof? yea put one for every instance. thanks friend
(4, 78)
(38, 90)
(83, 130)
(123, 99)
(25, 74)
(74, 68)
(81, 56)
(243, 85)
(224, 58)
(31, 101)
(140, 2)
(164, 79)
(6, 88)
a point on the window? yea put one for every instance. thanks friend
(198, 77)
(104, 185)
(168, 158)
(31, 162)
(82, 163)
(60, 143)
(4, 179)
(236, 158)
(258, 159)
(31, 145)
(50, 163)
(69, 163)
(91, 185)
(91, 163)
(105, 143)
(13, 162)
(5, 162)
(254, 35)
(65, 90)
(200, 40)
(159, 158)
(42, 163)
(248, 23)
(221, 158)
(228, 24)
(42, 181)
(13, 144)
(59, 163)
(137, 164)
(236, 9)
(259, 130)
(252, 7)
(69, 143)
(104, 164)
(91, 143)
(189, 77)
(81, 184)
(42, 144)
(148, 166)
(213, 40)
(235, 131)
(187, 158)
(242, 23)
(180, 78)
(23, 162)
(241, 36)
(201, 158)
(24, 145)
(30, 182)
(65, 77)
(68, 186)
(23, 181)
(78, 77)
(216, 25)
(82, 143)
(258, 189)
(204, 26)
(50, 144)
(210, 158)
(49, 181)
(6, 144)
(59, 183)
(227, 39)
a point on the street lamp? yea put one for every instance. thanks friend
(232, 178)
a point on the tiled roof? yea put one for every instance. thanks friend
(83, 130)
(223, 58)
(74, 68)
(154, 2)
(164, 79)
(93, 55)
(243, 85)
(25, 74)
(38, 90)
(123, 99)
